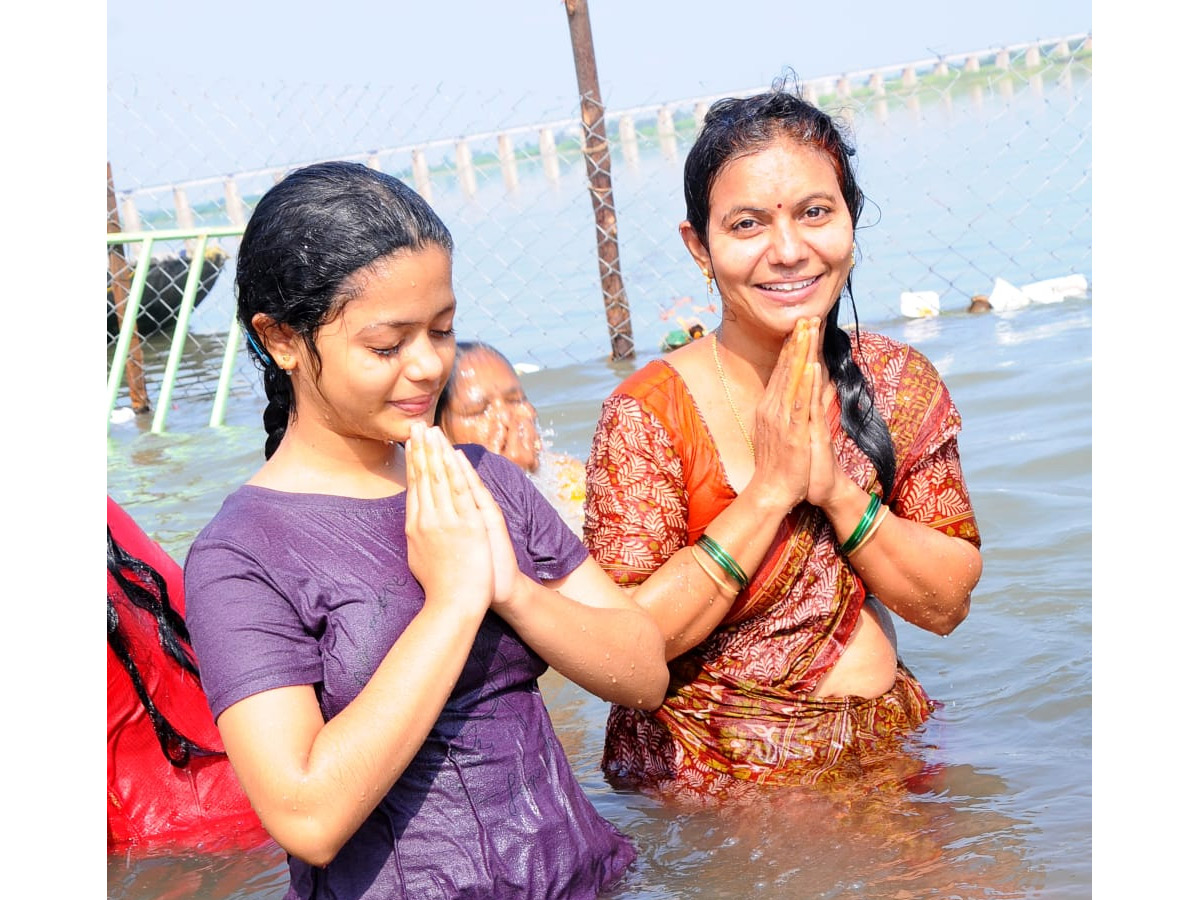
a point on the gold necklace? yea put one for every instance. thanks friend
(729, 395)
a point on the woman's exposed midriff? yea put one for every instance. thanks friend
(867, 667)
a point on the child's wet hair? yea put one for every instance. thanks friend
(308, 235)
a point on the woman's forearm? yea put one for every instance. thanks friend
(923, 575)
(689, 595)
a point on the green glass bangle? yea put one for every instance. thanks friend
(864, 523)
(727, 563)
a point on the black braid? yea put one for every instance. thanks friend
(860, 417)
(280, 405)
(172, 635)
(172, 630)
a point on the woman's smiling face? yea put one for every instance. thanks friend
(780, 236)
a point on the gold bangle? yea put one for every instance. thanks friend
(721, 585)
(883, 511)
(864, 524)
(726, 562)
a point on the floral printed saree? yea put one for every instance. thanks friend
(739, 705)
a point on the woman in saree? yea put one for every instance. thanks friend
(790, 485)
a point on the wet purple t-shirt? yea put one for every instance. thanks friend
(286, 589)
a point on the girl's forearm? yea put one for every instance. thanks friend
(614, 652)
(314, 783)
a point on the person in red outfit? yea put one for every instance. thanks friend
(170, 786)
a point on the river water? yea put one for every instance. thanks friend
(1006, 811)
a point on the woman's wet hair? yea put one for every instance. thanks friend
(140, 584)
(308, 235)
(737, 127)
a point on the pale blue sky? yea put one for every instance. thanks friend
(479, 65)
(646, 50)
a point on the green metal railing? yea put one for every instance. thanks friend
(142, 243)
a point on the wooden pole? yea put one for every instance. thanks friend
(184, 217)
(628, 131)
(465, 166)
(599, 169)
(420, 170)
(666, 133)
(118, 270)
(133, 222)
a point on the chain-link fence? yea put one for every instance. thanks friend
(975, 167)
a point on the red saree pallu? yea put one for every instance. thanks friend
(153, 805)
(739, 706)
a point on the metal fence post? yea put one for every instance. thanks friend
(118, 270)
(179, 338)
(125, 338)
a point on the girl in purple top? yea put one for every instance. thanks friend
(372, 609)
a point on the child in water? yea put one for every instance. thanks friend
(372, 610)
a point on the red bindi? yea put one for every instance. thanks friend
(779, 206)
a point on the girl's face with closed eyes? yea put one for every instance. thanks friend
(780, 237)
(387, 354)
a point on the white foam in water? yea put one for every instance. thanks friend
(1056, 290)
(1006, 296)
(918, 304)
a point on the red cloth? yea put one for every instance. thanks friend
(152, 805)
